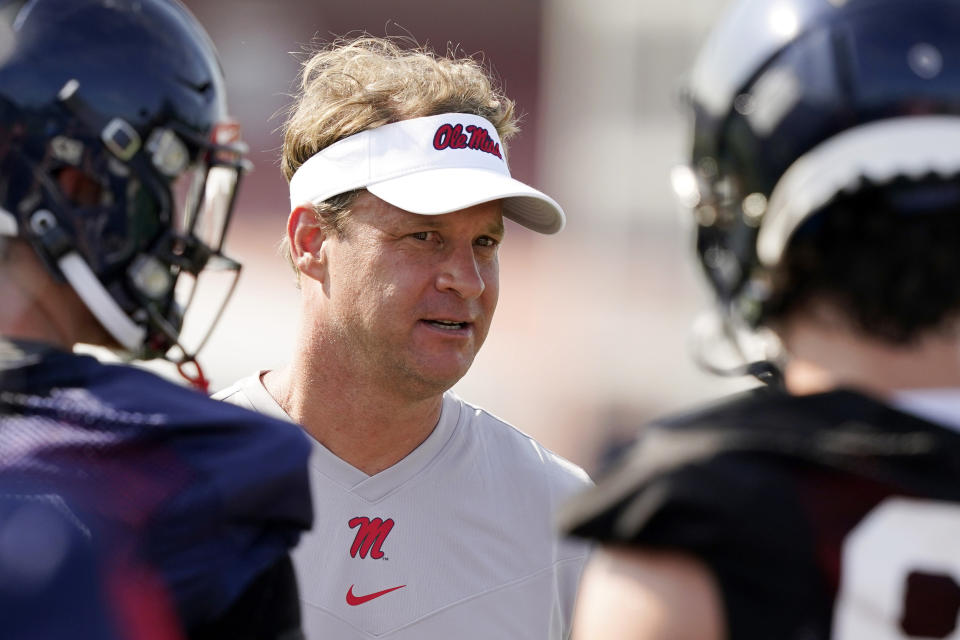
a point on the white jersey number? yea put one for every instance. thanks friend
(900, 576)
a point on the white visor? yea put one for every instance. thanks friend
(910, 146)
(431, 165)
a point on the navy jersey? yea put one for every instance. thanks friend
(829, 516)
(152, 505)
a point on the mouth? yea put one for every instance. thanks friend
(448, 325)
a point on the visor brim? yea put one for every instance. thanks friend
(439, 191)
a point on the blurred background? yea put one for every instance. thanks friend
(592, 329)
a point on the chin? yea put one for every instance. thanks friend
(431, 374)
(435, 382)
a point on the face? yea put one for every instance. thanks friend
(409, 298)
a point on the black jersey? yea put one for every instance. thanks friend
(131, 507)
(829, 516)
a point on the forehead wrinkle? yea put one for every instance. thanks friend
(423, 220)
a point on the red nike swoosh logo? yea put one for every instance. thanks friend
(353, 600)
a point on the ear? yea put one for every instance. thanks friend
(306, 236)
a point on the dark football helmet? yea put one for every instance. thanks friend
(118, 163)
(796, 101)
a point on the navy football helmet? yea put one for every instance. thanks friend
(118, 163)
(796, 101)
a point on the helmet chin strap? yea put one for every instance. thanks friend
(748, 352)
(101, 304)
(129, 334)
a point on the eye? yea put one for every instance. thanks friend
(424, 236)
(487, 241)
(432, 238)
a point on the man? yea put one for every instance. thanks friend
(824, 183)
(129, 507)
(437, 516)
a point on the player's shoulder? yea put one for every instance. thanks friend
(132, 403)
(688, 478)
(691, 458)
(180, 404)
(518, 450)
(750, 448)
(831, 428)
(79, 386)
(751, 409)
(150, 407)
(748, 433)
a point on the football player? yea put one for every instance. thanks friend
(130, 507)
(824, 184)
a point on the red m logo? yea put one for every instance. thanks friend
(370, 536)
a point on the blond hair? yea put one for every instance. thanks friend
(352, 85)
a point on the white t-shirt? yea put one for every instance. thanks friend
(455, 541)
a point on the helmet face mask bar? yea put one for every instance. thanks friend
(819, 100)
(126, 196)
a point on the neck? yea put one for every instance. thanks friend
(361, 422)
(35, 307)
(825, 357)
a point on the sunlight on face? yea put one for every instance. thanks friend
(410, 297)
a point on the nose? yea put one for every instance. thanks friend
(460, 273)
